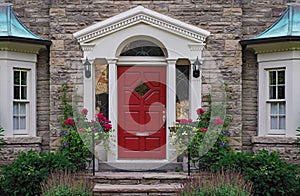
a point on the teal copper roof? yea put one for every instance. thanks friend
(12, 27)
(287, 27)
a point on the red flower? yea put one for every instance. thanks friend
(184, 121)
(70, 121)
(200, 111)
(204, 130)
(218, 121)
(107, 127)
(84, 111)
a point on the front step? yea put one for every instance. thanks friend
(140, 189)
(141, 167)
(137, 183)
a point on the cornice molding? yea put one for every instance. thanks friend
(275, 47)
(141, 15)
(20, 47)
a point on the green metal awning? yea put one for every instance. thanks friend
(286, 28)
(12, 29)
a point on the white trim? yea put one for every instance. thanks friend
(141, 15)
(10, 61)
(170, 106)
(289, 61)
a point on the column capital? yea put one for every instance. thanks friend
(171, 61)
(112, 60)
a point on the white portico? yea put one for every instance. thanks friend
(141, 48)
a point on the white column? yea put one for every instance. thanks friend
(195, 93)
(113, 107)
(171, 106)
(195, 83)
(89, 90)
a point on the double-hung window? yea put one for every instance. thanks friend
(20, 101)
(276, 101)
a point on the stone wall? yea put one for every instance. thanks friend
(258, 15)
(229, 21)
(14, 145)
(285, 146)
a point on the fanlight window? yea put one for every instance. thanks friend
(142, 48)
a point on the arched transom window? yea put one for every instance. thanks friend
(142, 48)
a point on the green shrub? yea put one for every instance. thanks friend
(72, 145)
(24, 175)
(217, 184)
(67, 184)
(269, 174)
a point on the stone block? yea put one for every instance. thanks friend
(57, 12)
(57, 45)
(232, 45)
(232, 12)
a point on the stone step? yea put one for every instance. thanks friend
(137, 190)
(139, 166)
(135, 178)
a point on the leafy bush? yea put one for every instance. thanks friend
(78, 133)
(217, 184)
(67, 184)
(206, 138)
(269, 174)
(24, 175)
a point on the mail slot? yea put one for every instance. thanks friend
(142, 134)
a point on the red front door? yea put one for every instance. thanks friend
(141, 112)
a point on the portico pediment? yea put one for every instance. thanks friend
(140, 15)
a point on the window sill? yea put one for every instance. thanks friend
(22, 140)
(273, 140)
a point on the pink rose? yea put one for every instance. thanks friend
(200, 111)
(70, 121)
(218, 121)
(84, 111)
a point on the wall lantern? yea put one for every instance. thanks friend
(87, 68)
(196, 68)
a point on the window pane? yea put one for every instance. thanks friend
(22, 122)
(16, 109)
(272, 92)
(281, 108)
(274, 108)
(16, 92)
(274, 120)
(282, 122)
(272, 77)
(142, 48)
(182, 90)
(16, 123)
(23, 78)
(16, 77)
(281, 77)
(23, 92)
(22, 109)
(281, 93)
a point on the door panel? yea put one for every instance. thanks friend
(141, 110)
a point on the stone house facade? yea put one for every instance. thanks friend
(221, 23)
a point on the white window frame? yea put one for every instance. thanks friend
(269, 101)
(264, 106)
(10, 62)
(279, 60)
(26, 101)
